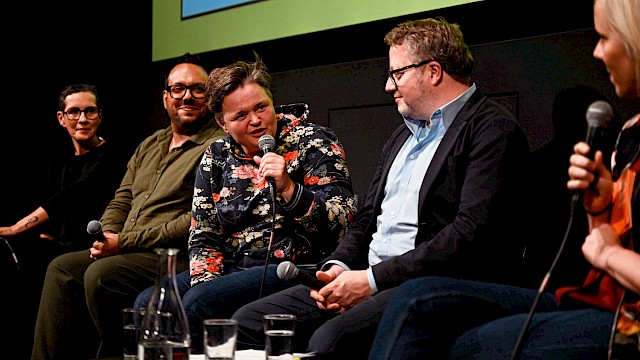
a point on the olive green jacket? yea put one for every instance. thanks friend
(152, 207)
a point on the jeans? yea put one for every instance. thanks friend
(559, 335)
(220, 297)
(425, 315)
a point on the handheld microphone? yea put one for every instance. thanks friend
(267, 143)
(94, 228)
(288, 271)
(599, 115)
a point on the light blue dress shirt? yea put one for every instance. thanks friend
(397, 224)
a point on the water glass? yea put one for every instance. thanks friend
(279, 330)
(220, 339)
(131, 319)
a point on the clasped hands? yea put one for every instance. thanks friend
(344, 289)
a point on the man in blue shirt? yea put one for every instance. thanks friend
(442, 200)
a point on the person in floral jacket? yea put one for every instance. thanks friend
(237, 221)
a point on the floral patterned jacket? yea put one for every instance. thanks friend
(232, 209)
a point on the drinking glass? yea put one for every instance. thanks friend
(131, 318)
(279, 330)
(220, 339)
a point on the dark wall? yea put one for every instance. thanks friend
(107, 43)
(523, 74)
(526, 52)
(524, 58)
(46, 46)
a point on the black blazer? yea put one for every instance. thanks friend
(468, 203)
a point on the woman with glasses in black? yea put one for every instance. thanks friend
(77, 188)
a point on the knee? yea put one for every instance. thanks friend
(58, 265)
(191, 308)
(324, 339)
(329, 343)
(61, 270)
(54, 267)
(426, 285)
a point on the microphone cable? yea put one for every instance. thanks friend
(272, 191)
(599, 115)
(13, 254)
(545, 281)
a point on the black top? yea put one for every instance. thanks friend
(80, 189)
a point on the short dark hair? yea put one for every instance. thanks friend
(225, 80)
(186, 58)
(76, 88)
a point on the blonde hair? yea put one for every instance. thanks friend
(623, 16)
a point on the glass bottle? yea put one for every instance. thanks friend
(164, 332)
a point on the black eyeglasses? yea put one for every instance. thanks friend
(90, 113)
(392, 73)
(178, 91)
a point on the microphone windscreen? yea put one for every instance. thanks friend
(286, 270)
(267, 143)
(599, 114)
(94, 227)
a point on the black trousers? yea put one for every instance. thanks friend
(348, 335)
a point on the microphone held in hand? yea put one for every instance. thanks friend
(94, 228)
(267, 143)
(288, 271)
(599, 115)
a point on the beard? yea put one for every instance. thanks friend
(189, 125)
(406, 111)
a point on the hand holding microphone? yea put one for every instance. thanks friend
(268, 144)
(275, 164)
(94, 228)
(288, 271)
(599, 115)
(102, 247)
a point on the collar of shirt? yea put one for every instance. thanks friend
(447, 113)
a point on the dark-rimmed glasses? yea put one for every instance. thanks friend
(178, 91)
(90, 113)
(392, 73)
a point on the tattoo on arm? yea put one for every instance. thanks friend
(33, 219)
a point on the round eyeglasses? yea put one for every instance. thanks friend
(90, 113)
(178, 91)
